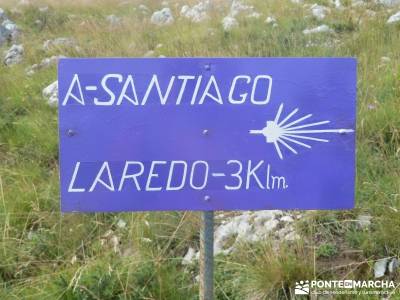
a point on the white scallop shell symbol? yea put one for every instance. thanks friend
(282, 133)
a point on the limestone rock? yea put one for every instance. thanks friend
(319, 29)
(189, 256)
(51, 93)
(394, 18)
(364, 221)
(113, 20)
(198, 12)
(393, 265)
(162, 17)
(45, 63)
(2, 15)
(389, 3)
(229, 23)
(14, 55)
(61, 42)
(380, 267)
(238, 7)
(8, 31)
(319, 11)
(144, 10)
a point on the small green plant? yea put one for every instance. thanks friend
(327, 250)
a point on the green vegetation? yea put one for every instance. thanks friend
(326, 250)
(48, 255)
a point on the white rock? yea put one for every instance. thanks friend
(270, 20)
(8, 31)
(121, 223)
(185, 9)
(364, 221)
(9, 25)
(43, 9)
(45, 63)
(393, 265)
(394, 18)
(4, 35)
(263, 216)
(14, 55)
(144, 9)
(358, 3)
(311, 44)
(385, 59)
(51, 93)
(74, 259)
(254, 15)
(319, 11)
(197, 13)
(29, 71)
(149, 53)
(370, 13)
(337, 3)
(3, 15)
(380, 267)
(189, 257)
(125, 3)
(115, 241)
(31, 235)
(268, 226)
(283, 232)
(59, 43)
(24, 3)
(291, 236)
(229, 23)
(162, 17)
(319, 29)
(288, 219)
(297, 1)
(113, 20)
(238, 7)
(239, 227)
(38, 23)
(249, 227)
(389, 3)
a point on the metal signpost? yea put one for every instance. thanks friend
(207, 134)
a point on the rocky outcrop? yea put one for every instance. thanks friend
(162, 17)
(14, 55)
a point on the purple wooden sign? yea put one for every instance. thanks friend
(207, 133)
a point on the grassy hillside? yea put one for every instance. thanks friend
(48, 255)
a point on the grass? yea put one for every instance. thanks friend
(47, 255)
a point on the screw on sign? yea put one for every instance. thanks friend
(207, 134)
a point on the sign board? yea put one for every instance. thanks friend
(207, 133)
